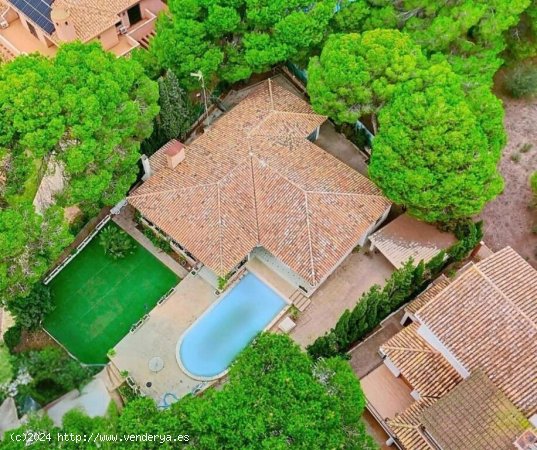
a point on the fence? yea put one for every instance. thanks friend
(78, 249)
(302, 76)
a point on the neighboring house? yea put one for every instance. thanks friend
(28, 26)
(406, 237)
(463, 374)
(256, 184)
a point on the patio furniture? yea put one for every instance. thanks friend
(156, 364)
(286, 325)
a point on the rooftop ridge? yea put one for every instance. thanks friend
(242, 137)
(504, 295)
(309, 236)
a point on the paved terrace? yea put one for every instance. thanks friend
(159, 335)
(341, 291)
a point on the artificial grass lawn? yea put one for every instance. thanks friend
(98, 298)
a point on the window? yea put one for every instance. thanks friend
(32, 29)
(135, 14)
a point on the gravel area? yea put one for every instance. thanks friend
(509, 218)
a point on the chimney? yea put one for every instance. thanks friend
(175, 152)
(147, 167)
(63, 24)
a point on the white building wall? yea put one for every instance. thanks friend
(425, 332)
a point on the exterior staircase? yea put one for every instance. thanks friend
(300, 301)
(144, 42)
(111, 377)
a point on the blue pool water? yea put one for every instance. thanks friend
(213, 342)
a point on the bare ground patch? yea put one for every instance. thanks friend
(509, 218)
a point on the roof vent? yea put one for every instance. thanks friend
(175, 152)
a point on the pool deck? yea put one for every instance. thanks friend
(263, 272)
(158, 336)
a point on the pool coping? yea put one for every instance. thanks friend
(276, 318)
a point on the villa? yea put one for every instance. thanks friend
(462, 374)
(255, 185)
(28, 26)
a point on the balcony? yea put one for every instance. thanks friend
(125, 45)
(387, 394)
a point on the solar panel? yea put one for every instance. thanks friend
(38, 11)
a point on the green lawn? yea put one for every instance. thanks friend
(98, 299)
(6, 371)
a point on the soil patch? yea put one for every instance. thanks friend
(509, 218)
(34, 340)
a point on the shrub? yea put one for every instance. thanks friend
(515, 157)
(30, 311)
(12, 337)
(525, 148)
(53, 374)
(116, 243)
(222, 282)
(6, 369)
(157, 241)
(521, 82)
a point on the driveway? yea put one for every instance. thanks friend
(339, 292)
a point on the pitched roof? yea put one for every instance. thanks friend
(487, 319)
(89, 17)
(432, 290)
(405, 237)
(38, 11)
(253, 179)
(474, 415)
(92, 17)
(407, 426)
(425, 369)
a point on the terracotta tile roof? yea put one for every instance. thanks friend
(254, 179)
(487, 319)
(92, 17)
(425, 369)
(405, 237)
(407, 426)
(433, 289)
(474, 415)
(527, 440)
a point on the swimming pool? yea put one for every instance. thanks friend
(210, 345)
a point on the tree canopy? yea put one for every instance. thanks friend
(88, 107)
(176, 111)
(233, 39)
(435, 154)
(276, 397)
(474, 34)
(88, 111)
(356, 74)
